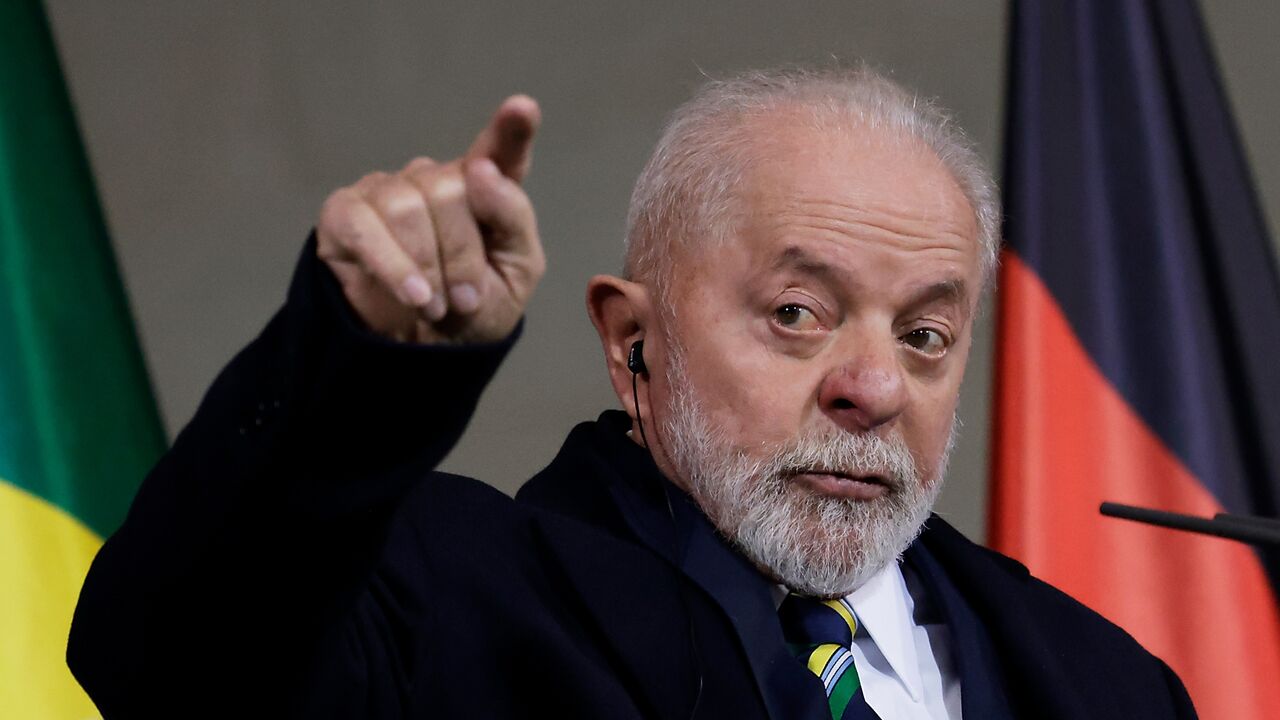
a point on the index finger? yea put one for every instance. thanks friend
(508, 138)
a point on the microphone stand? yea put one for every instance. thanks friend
(1245, 528)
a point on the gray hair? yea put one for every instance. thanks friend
(686, 190)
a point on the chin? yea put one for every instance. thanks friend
(827, 547)
(814, 542)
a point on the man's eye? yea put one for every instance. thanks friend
(927, 341)
(796, 317)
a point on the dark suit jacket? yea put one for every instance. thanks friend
(295, 554)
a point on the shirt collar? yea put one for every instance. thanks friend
(885, 608)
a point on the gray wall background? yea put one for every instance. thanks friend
(215, 130)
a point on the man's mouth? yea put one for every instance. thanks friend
(835, 483)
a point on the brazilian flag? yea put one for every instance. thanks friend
(78, 425)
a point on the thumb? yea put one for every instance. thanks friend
(508, 138)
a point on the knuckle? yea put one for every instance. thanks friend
(446, 189)
(522, 205)
(358, 236)
(338, 213)
(419, 164)
(517, 209)
(356, 240)
(331, 211)
(537, 264)
(370, 182)
(397, 200)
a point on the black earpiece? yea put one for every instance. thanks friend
(635, 358)
(635, 363)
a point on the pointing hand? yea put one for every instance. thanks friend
(442, 252)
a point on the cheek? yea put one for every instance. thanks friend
(937, 411)
(746, 394)
(748, 390)
(770, 411)
(931, 433)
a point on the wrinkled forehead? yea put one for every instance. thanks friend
(795, 159)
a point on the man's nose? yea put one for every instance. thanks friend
(866, 392)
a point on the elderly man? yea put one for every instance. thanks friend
(806, 251)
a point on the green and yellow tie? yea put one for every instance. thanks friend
(820, 633)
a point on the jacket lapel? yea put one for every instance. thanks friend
(1055, 656)
(1041, 674)
(787, 688)
(630, 601)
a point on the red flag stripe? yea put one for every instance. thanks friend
(1066, 441)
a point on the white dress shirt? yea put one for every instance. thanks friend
(902, 650)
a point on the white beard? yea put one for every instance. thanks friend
(814, 544)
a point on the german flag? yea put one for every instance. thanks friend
(1138, 351)
(78, 427)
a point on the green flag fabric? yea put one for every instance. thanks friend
(78, 425)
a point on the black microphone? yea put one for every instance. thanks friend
(1245, 528)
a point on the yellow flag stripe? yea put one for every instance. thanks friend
(44, 556)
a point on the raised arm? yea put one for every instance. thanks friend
(256, 532)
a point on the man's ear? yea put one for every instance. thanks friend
(621, 312)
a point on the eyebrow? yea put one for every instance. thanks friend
(951, 290)
(805, 262)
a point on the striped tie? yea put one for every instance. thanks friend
(820, 633)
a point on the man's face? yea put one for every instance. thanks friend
(813, 362)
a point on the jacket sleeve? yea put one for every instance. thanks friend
(255, 533)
